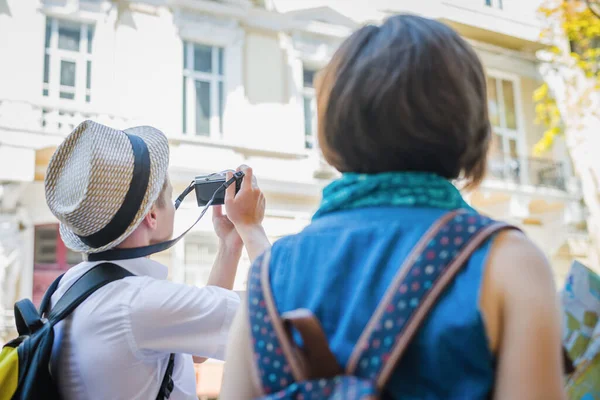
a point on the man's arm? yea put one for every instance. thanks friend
(255, 239)
(246, 210)
(176, 318)
(225, 266)
(223, 273)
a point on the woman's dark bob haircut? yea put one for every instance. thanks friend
(409, 95)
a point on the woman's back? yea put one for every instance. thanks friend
(339, 268)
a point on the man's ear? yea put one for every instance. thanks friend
(150, 218)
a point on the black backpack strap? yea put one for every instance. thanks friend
(27, 318)
(45, 304)
(88, 283)
(166, 386)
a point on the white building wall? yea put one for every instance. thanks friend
(148, 63)
(22, 48)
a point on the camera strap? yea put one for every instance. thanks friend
(145, 251)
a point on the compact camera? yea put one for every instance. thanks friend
(214, 185)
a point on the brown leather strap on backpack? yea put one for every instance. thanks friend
(315, 356)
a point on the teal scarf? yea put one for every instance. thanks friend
(390, 189)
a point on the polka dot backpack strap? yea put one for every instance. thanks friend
(425, 273)
(267, 329)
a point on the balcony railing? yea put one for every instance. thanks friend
(528, 171)
(51, 117)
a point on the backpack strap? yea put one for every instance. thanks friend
(95, 278)
(167, 385)
(315, 358)
(45, 304)
(420, 281)
(27, 318)
(270, 351)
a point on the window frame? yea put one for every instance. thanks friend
(53, 88)
(309, 92)
(519, 135)
(308, 52)
(217, 81)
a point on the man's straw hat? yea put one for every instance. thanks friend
(101, 183)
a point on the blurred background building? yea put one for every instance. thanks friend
(231, 82)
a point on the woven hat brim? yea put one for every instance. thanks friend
(158, 146)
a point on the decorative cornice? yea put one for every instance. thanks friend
(314, 50)
(261, 18)
(217, 30)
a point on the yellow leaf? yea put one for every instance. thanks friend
(540, 92)
(540, 109)
(539, 149)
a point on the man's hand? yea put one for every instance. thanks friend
(229, 253)
(225, 229)
(246, 210)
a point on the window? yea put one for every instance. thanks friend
(68, 60)
(203, 90)
(310, 108)
(503, 114)
(199, 256)
(494, 3)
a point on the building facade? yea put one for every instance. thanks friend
(231, 82)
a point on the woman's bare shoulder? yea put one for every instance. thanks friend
(517, 274)
(516, 262)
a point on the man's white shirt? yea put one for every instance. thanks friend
(116, 344)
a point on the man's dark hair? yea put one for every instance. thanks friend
(409, 95)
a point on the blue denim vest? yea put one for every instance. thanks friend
(340, 266)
